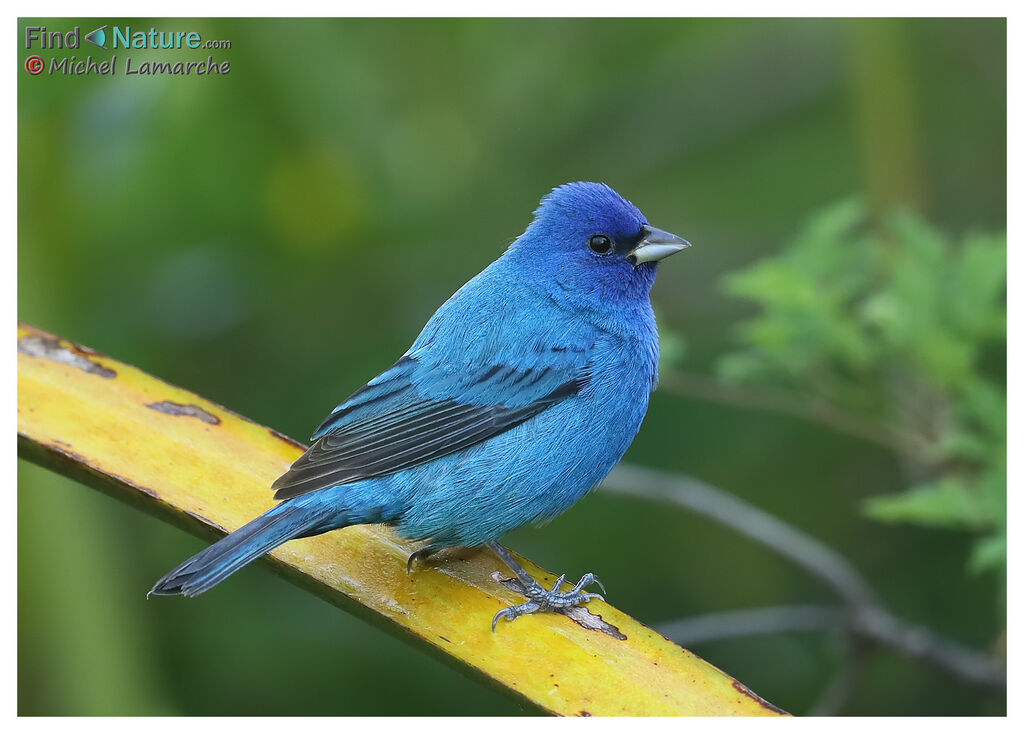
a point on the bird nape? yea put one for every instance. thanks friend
(521, 393)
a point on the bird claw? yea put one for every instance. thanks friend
(421, 555)
(587, 580)
(540, 599)
(510, 613)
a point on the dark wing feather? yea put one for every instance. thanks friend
(390, 425)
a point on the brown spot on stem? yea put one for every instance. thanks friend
(50, 347)
(750, 694)
(287, 439)
(64, 449)
(192, 411)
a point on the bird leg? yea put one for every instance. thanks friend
(539, 599)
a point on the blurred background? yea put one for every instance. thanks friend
(833, 345)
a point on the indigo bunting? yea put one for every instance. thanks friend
(521, 393)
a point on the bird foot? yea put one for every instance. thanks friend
(539, 599)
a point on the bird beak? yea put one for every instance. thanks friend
(656, 244)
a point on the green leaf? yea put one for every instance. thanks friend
(988, 553)
(944, 503)
(977, 299)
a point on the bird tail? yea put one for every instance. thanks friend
(295, 519)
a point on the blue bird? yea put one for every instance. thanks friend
(518, 397)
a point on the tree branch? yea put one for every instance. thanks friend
(703, 628)
(862, 615)
(729, 510)
(811, 409)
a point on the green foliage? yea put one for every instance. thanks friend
(895, 324)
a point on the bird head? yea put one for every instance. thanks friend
(587, 238)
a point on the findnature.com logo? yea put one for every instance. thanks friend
(121, 37)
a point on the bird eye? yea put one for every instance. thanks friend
(600, 244)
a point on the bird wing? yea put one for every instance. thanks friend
(419, 410)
